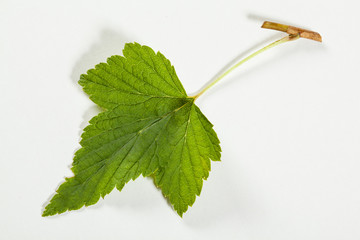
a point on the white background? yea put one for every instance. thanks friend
(288, 121)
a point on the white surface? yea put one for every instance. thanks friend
(288, 121)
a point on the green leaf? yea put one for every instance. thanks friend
(149, 127)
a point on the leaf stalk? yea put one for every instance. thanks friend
(294, 34)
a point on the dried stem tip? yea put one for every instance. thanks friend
(293, 30)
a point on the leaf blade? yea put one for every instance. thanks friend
(149, 127)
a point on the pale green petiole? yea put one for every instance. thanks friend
(288, 38)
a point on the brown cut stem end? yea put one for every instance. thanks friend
(293, 30)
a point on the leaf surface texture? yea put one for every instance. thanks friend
(149, 127)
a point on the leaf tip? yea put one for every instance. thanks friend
(47, 212)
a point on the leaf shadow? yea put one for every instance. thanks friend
(109, 43)
(139, 195)
(261, 19)
(224, 199)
